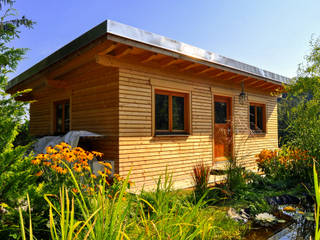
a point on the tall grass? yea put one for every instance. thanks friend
(23, 232)
(161, 214)
(317, 210)
(200, 176)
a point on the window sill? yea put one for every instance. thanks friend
(259, 134)
(172, 135)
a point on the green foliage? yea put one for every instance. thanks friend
(317, 210)
(289, 166)
(200, 176)
(14, 170)
(303, 130)
(16, 174)
(236, 177)
(162, 214)
(23, 138)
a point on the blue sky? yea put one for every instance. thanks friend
(270, 34)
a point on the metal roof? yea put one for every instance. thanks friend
(112, 28)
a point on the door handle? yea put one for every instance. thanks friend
(229, 131)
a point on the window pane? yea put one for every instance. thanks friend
(220, 112)
(59, 110)
(252, 118)
(177, 113)
(162, 116)
(260, 118)
(66, 117)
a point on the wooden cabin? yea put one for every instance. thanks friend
(158, 103)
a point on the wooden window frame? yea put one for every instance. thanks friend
(264, 122)
(63, 102)
(187, 118)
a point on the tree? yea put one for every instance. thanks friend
(303, 116)
(13, 160)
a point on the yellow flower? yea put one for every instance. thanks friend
(4, 205)
(107, 171)
(36, 161)
(106, 164)
(131, 184)
(77, 168)
(47, 163)
(102, 173)
(98, 154)
(38, 174)
(51, 150)
(93, 176)
(75, 190)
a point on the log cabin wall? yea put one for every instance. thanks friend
(149, 156)
(116, 101)
(93, 93)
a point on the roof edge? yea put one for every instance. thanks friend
(61, 53)
(159, 41)
(135, 34)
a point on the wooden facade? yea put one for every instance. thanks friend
(111, 89)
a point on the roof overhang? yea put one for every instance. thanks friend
(129, 35)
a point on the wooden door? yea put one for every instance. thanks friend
(222, 128)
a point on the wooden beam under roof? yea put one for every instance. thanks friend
(270, 87)
(239, 79)
(122, 51)
(192, 65)
(253, 82)
(260, 85)
(171, 62)
(207, 69)
(109, 48)
(227, 78)
(150, 57)
(219, 74)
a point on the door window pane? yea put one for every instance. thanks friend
(162, 112)
(177, 113)
(220, 112)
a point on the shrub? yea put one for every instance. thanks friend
(52, 166)
(236, 178)
(200, 176)
(287, 164)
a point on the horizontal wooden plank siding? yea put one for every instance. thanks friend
(116, 101)
(93, 93)
(146, 156)
(248, 144)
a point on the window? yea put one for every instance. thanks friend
(258, 117)
(62, 117)
(171, 113)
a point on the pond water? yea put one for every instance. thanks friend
(298, 225)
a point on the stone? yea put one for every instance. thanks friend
(242, 217)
